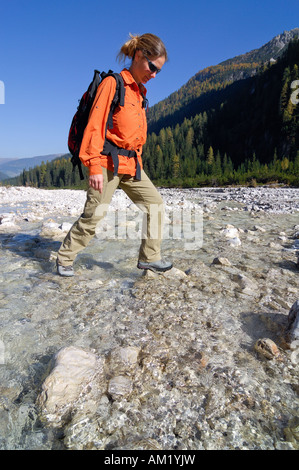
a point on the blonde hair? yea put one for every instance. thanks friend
(148, 43)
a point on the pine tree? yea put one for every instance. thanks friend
(285, 163)
(159, 170)
(210, 156)
(42, 174)
(284, 95)
(176, 166)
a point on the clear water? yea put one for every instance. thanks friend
(235, 400)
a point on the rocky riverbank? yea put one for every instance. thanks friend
(203, 357)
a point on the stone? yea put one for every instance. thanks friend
(50, 229)
(246, 285)
(230, 232)
(234, 242)
(221, 261)
(258, 228)
(74, 371)
(65, 226)
(173, 273)
(267, 348)
(123, 360)
(129, 355)
(120, 386)
(8, 221)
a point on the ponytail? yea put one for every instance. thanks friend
(150, 44)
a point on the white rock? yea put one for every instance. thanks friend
(222, 261)
(173, 273)
(51, 225)
(230, 232)
(123, 360)
(74, 370)
(65, 226)
(259, 229)
(129, 355)
(8, 220)
(120, 386)
(234, 242)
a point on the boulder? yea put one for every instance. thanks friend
(76, 373)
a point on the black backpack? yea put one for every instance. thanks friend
(80, 118)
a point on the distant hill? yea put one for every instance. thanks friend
(11, 167)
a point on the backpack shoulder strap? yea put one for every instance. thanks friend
(95, 83)
(121, 89)
(119, 97)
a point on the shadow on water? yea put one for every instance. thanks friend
(263, 325)
(288, 265)
(32, 246)
(89, 262)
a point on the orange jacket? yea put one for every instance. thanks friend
(129, 127)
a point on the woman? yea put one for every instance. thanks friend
(129, 130)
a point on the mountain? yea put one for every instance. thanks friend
(231, 123)
(180, 104)
(272, 50)
(10, 167)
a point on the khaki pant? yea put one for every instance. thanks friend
(143, 193)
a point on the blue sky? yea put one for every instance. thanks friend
(49, 49)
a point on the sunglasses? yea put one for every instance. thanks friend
(152, 66)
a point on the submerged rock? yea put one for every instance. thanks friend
(76, 372)
(267, 348)
(120, 386)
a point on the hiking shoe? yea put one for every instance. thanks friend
(67, 271)
(159, 266)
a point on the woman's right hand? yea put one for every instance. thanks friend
(96, 182)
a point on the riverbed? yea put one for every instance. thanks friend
(198, 382)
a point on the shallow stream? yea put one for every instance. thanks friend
(199, 383)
